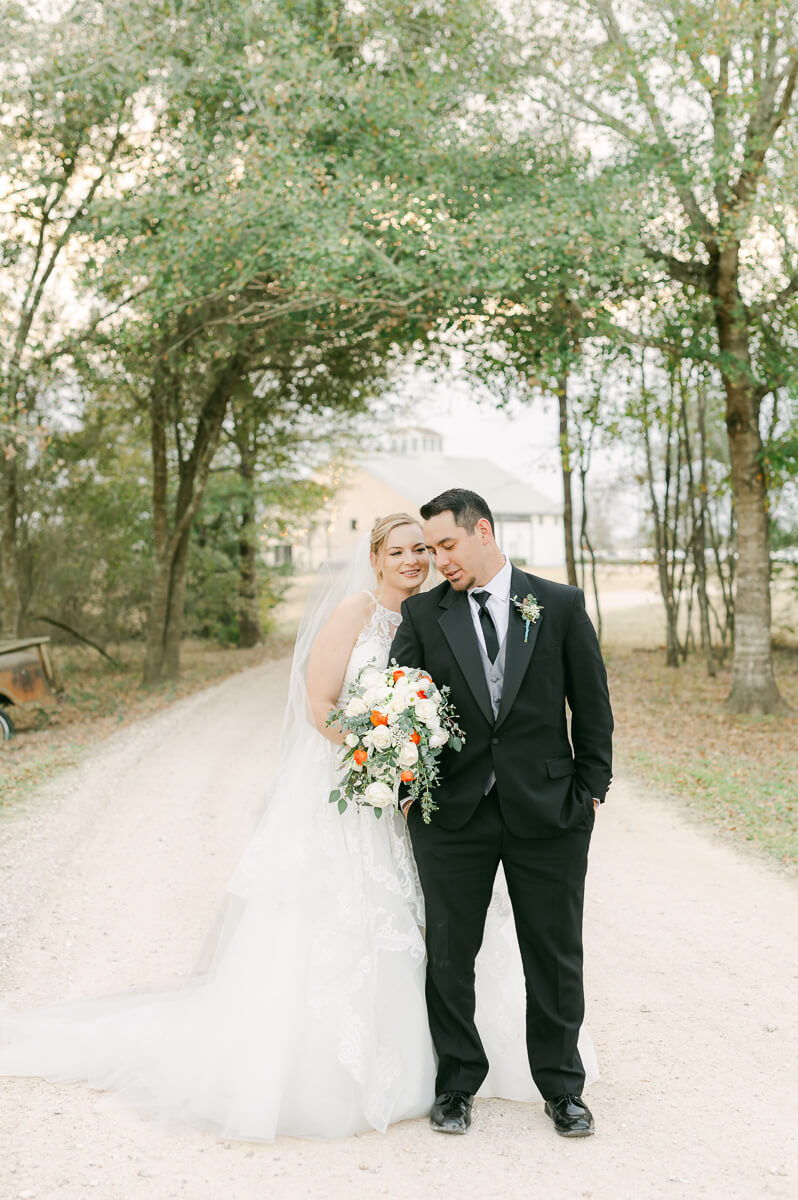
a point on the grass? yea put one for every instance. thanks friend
(736, 773)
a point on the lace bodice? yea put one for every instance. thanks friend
(373, 643)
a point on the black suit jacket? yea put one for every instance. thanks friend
(545, 781)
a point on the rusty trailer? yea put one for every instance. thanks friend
(28, 675)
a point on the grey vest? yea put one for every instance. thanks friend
(494, 676)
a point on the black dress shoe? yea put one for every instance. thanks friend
(451, 1112)
(571, 1116)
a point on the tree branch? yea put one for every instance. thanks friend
(696, 273)
(761, 131)
(695, 214)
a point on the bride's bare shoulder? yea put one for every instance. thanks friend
(353, 611)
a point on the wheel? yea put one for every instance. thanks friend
(6, 725)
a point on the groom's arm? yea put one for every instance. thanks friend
(408, 652)
(406, 646)
(589, 700)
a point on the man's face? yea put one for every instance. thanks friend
(459, 556)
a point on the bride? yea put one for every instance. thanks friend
(308, 1017)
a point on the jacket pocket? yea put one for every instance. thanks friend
(558, 768)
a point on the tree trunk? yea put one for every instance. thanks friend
(585, 544)
(660, 521)
(176, 610)
(250, 632)
(696, 503)
(754, 687)
(10, 596)
(249, 627)
(159, 599)
(172, 538)
(565, 459)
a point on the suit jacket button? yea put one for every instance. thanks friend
(495, 741)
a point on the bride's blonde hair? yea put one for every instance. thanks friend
(382, 527)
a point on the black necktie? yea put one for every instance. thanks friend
(488, 628)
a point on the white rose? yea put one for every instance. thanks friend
(356, 707)
(381, 738)
(375, 695)
(438, 739)
(379, 794)
(408, 755)
(402, 684)
(372, 678)
(398, 704)
(427, 711)
(352, 740)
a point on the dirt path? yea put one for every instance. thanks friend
(111, 877)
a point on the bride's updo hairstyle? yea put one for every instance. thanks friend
(380, 530)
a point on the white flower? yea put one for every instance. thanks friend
(352, 740)
(378, 794)
(408, 755)
(356, 707)
(381, 738)
(427, 711)
(398, 704)
(438, 739)
(375, 695)
(372, 678)
(402, 684)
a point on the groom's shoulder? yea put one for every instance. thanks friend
(425, 601)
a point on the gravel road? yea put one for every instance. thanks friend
(111, 876)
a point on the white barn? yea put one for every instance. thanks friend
(411, 469)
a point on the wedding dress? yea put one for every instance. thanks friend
(311, 1019)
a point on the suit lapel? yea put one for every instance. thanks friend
(519, 652)
(458, 629)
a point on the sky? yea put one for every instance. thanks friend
(523, 437)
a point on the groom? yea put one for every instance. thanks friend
(519, 793)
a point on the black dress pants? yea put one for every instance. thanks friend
(546, 882)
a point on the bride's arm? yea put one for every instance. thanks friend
(328, 658)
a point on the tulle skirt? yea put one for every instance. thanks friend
(308, 1017)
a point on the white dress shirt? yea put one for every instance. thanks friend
(498, 604)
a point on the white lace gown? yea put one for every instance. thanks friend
(312, 1020)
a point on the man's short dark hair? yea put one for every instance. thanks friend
(466, 507)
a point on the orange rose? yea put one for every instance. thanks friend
(360, 756)
(415, 737)
(398, 675)
(378, 718)
(407, 776)
(422, 695)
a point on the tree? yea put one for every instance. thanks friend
(287, 180)
(696, 110)
(64, 127)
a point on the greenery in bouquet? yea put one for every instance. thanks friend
(396, 723)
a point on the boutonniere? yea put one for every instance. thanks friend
(529, 609)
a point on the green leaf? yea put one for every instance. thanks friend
(378, 812)
(455, 742)
(335, 795)
(342, 805)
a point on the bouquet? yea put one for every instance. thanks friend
(396, 723)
